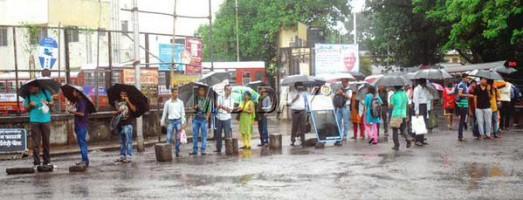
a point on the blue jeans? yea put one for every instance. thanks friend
(262, 129)
(126, 143)
(343, 117)
(81, 139)
(199, 126)
(173, 129)
(222, 126)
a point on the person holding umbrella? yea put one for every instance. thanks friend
(341, 102)
(200, 121)
(82, 108)
(124, 108)
(298, 102)
(38, 102)
(422, 99)
(225, 106)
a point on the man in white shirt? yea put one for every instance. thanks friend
(174, 115)
(298, 102)
(422, 100)
(225, 106)
(506, 108)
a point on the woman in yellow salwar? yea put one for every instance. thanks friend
(247, 112)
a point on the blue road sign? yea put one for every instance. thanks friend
(48, 53)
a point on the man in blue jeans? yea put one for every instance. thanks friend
(174, 115)
(341, 103)
(264, 106)
(202, 110)
(224, 106)
(81, 117)
(124, 108)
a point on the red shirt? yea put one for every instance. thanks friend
(449, 99)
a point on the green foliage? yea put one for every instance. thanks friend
(366, 65)
(395, 35)
(260, 22)
(482, 30)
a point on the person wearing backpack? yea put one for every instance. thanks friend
(422, 100)
(341, 107)
(38, 104)
(373, 114)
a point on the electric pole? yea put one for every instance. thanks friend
(237, 34)
(136, 62)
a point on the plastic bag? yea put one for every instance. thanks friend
(418, 125)
(183, 137)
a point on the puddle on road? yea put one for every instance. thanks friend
(478, 172)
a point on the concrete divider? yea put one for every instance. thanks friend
(164, 152)
(275, 141)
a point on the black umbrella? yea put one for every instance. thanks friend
(358, 75)
(214, 78)
(306, 80)
(187, 92)
(43, 83)
(135, 96)
(432, 74)
(488, 74)
(392, 80)
(68, 89)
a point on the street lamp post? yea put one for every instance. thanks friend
(136, 50)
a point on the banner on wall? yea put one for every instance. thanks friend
(194, 49)
(149, 82)
(335, 58)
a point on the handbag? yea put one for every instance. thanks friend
(183, 137)
(396, 122)
(418, 125)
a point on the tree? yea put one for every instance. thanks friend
(259, 24)
(395, 35)
(480, 30)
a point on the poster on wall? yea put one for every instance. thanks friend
(177, 53)
(148, 80)
(335, 58)
(194, 48)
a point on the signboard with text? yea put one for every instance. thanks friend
(194, 47)
(48, 52)
(13, 140)
(336, 58)
(148, 80)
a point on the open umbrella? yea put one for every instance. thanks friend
(214, 78)
(373, 78)
(392, 80)
(187, 92)
(43, 83)
(68, 89)
(437, 86)
(335, 77)
(432, 74)
(255, 84)
(358, 75)
(488, 74)
(291, 80)
(237, 93)
(505, 70)
(135, 96)
(362, 91)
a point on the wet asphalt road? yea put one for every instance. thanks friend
(445, 169)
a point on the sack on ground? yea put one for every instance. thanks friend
(396, 122)
(418, 125)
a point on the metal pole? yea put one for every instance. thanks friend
(16, 72)
(171, 72)
(136, 36)
(210, 37)
(354, 27)
(96, 75)
(147, 50)
(237, 35)
(108, 74)
(66, 49)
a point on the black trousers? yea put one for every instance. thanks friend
(506, 114)
(40, 136)
(462, 112)
(298, 125)
(401, 131)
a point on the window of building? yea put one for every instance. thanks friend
(73, 34)
(246, 78)
(455, 60)
(162, 80)
(259, 76)
(117, 77)
(2, 87)
(3, 37)
(125, 26)
(36, 37)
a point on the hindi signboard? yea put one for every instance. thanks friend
(335, 58)
(13, 140)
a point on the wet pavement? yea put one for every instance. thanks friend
(444, 169)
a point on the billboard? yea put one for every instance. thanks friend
(333, 58)
(189, 56)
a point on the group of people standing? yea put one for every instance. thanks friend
(223, 107)
(488, 106)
